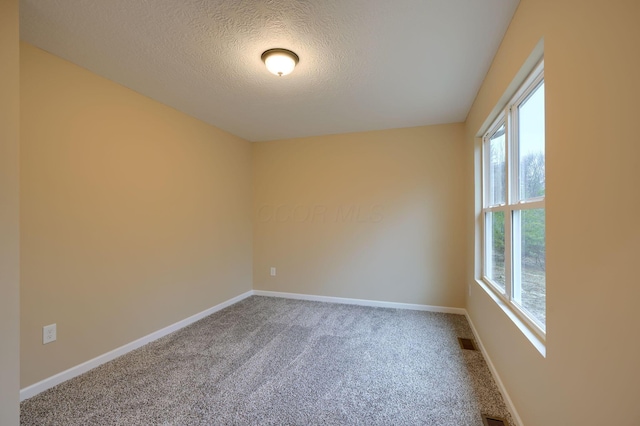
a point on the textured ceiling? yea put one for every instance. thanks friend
(364, 64)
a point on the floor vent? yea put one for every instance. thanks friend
(493, 421)
(467, 344)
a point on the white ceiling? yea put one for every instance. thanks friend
(364, 64)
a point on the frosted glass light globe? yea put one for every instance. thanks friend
(280, 61)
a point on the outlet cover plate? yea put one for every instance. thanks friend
(273, 271)
(48, 334)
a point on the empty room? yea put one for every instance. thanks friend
(292, 212)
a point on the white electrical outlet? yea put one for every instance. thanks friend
(273, 271)
(48, 334)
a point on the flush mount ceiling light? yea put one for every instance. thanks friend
(280, 61)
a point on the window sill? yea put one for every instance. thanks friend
(533, 337)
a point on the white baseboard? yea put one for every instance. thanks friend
(494, 373)
(361, 302)
(72, 372)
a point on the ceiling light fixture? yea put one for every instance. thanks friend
(280, 61)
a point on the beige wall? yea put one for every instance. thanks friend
(591, 373)
(9, 214)
(374, 215)
(134, 216)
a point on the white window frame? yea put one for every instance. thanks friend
(512, 204)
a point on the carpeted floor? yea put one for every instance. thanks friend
(275, 361)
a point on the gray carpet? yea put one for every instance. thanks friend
(270, 361)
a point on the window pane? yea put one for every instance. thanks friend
(531, 145)
(495, 248)
(530, 273)
(497, 176)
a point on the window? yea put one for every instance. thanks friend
(513, 209)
